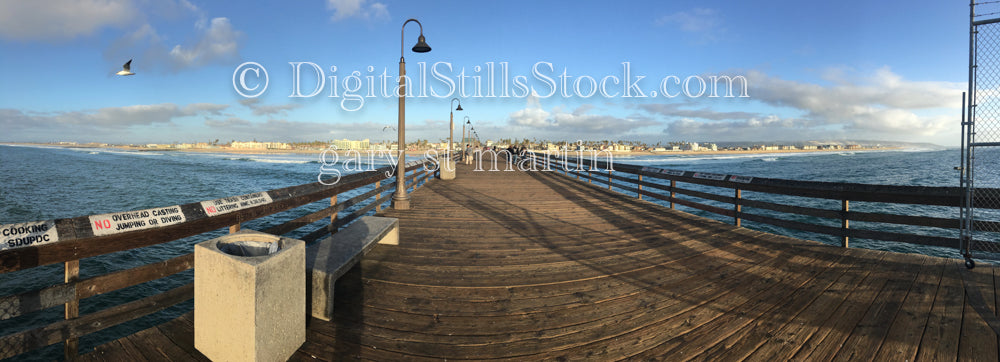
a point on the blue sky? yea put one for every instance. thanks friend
(847, 70)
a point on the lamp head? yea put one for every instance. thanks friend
(459, 107)
(421, 46)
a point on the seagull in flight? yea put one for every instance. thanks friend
(388, 127)
(126, 69)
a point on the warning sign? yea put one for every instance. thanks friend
(119, 222)
(741, 179)
(710, 176)
(27, 234)
(234, 203)
(672, 172)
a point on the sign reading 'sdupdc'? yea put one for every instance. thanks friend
(119, 222)
(28, 234)
(235, 203)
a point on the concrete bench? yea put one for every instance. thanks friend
(333, 256)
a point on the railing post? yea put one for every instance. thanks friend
(639, 194)
(234, 228)
(72, 310)
(844, 222)
(673, 183)
(590, 176)
(609, 179)
(378, 195)
(333, 216)
(738, 207)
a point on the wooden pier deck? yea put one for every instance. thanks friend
(536, 266)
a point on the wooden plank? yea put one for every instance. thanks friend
(180, 332)
(36, 300)
(869, 334)
(827, 340)
(779, 333)
(978, 341)
(903, 339)
(799, 276)
(71, 346)
(48, 297)
(941, 334)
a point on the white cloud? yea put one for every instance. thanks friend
(104, 118)
(879, 105)
(344, 9)
(707, 23)
(676, 110)
(267, 110)
(883, 102)
(557, 124)
(218, 42)
(62, 19)
(212, 41)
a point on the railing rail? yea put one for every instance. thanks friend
(637, 180)
(78, 238)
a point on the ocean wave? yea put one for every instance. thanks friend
(269, 160)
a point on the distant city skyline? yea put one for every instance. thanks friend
(891, 70)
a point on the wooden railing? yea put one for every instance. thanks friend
(728, 190)
(94, 235)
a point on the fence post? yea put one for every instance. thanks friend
(72, 310)
(609, 179)
(234, 228)
(844, 222)
(673, 183)
(333, 216)
(639, 194)
(738, 207)
(378, 195)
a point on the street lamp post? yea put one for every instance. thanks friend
(400, 200)
(462, 142)
(451, 125)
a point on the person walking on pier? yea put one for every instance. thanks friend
(468, 154)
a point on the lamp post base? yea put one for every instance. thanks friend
(400, 203)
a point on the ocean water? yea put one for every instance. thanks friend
(42, 183)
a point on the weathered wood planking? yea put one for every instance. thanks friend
(532, 266)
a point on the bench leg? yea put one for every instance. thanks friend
(392, 238)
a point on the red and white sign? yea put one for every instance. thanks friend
(120, 222)
(234, 203)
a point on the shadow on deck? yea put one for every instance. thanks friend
(529, 266)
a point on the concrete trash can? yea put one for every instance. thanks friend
(447, 169)
(249, 297)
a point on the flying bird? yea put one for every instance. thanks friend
(126, 69)
(388, 127)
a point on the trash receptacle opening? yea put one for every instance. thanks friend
(248, 246)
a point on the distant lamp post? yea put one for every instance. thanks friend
(467, 121)
(400, 200)
(451, 124)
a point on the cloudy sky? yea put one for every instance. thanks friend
(619, 70)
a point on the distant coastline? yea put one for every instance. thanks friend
(229, 150)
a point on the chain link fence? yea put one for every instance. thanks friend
(981, 138)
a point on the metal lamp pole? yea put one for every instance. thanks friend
(451, 124)
(400, 200)
(462, 142)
